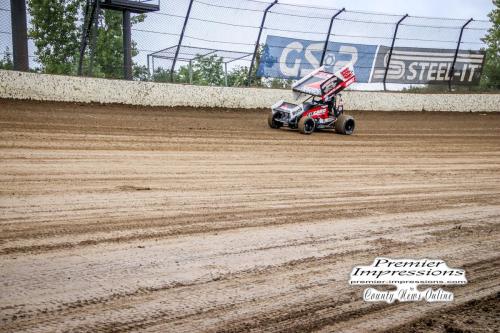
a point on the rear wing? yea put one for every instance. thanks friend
(323, 82)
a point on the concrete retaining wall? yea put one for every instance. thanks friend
(42, 87)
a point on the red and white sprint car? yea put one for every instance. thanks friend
(325, 110)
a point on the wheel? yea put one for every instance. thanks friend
(272, 122)
(306, 125)
(345, 124)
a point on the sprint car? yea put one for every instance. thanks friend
(323, 108)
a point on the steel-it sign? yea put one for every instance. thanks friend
(427, 66)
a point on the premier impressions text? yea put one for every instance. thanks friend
(386, 267)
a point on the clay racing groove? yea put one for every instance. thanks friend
(117, 219)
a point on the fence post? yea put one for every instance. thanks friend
(180, 41)
(127, 46)
(149, 66)
(392, 47)
(328, 36)
(190, 71)
(19, 35)
(94, 39)
(257, 43)
(452, 70)
(86, 27)
(225, 73)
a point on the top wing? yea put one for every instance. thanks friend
(323, 81)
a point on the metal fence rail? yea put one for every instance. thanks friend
(269, 39)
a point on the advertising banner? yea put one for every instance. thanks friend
(427, 66)
(291, 58)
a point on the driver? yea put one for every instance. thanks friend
(330, 101)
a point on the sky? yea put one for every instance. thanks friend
(477, 9)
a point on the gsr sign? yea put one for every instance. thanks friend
(311, 56)
(292, 59)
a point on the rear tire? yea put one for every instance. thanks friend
(306, 125)
(272, 122)
(345, 124)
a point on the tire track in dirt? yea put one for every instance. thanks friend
(160, 228)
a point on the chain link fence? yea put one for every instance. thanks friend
(237, 42)
(5, 35)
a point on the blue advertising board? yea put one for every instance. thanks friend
(290, 58)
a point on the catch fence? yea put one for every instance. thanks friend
(272, 44)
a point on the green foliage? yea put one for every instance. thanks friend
(6, 61)
(209, 70)
(55, 34)
(56, 31)
(161, 75)
(280, 83)
(109, 45)
(491, 72)
(237, 77)
(140, 73)
(182, 75)
(205, 71)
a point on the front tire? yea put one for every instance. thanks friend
(306, 125)
(345, 124)
(272, 122)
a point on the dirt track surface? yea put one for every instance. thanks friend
(117, 219)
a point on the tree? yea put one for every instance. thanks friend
(140, 73)
(55, 34)
(56, 30)
(209, 70)
(161, 75)
(108, 57)
(6, 61)
(237, 77)
(491, 72)
(183, 75)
